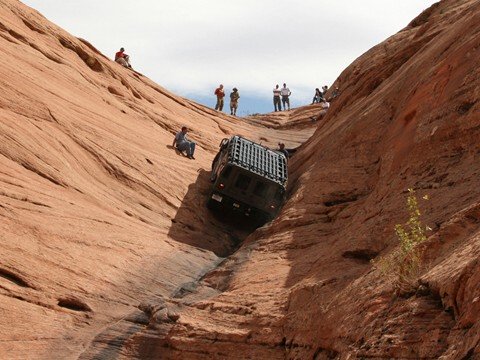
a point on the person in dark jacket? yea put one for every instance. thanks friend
(317, 97)
(281, 148)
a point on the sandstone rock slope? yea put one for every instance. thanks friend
(303, 286)
(97, 212)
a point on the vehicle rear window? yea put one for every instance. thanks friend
(260, 189)
(226, 172)
(242, 182)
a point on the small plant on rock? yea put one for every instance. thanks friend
(404, 263)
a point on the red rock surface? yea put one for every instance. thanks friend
(108, 251)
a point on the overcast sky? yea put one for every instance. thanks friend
(191, 46)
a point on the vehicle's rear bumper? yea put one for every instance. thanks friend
(228, 203)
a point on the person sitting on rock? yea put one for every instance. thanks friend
(234, 96)
(325, 105)
(317, 97)
(183, 144)
(335, 93)
(122, 58)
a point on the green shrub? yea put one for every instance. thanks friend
(404, 263)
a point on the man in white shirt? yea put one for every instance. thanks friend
(324, 105)
(285, 92)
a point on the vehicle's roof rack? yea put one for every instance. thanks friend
(258, 159)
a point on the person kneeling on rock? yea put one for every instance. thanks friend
(122, 58)
(183, 144)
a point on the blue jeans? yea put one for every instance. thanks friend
(188, 146)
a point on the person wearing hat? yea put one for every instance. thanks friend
(122, 58)
(234, 96)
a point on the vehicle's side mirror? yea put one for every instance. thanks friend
(224, 143)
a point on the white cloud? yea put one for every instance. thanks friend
(191, 46)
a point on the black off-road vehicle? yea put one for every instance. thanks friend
(248, 178)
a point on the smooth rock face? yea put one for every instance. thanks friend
(98, 213)
(108, 250)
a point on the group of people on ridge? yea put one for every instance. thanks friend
(283, 94)
(234, 96)
(320, 96)
(280, 96)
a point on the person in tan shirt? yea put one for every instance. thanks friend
(234, 96)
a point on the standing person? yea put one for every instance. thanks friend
(276, 98)
(122, 58)
(285, 92)
(234, 96)
(317, 97)
(183, 144)
(220, 95)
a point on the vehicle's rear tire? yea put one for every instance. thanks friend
(212, 204)
(262, 219)
(213, 175)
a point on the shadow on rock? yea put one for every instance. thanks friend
(216, 231)
(178, 152)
